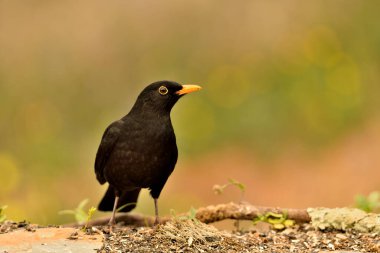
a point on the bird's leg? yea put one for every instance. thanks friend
(156, 221)
(112, 221)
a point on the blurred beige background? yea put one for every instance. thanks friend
(289, 105)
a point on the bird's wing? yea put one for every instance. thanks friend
(105, 149)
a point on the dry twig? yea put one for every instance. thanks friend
(209, 214)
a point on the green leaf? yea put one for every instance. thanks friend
(3, 217)
(82, 204)
(362, 203)
(238, 184)
(89, 216)
(289, 223)
(278, 220)
(79, 214)
(259, 218)
(370, 203)
(128, 204)
(192, 213)
(278, 226)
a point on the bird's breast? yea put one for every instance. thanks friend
(144, 155)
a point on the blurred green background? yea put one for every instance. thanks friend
(289, 105)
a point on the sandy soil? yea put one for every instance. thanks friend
(182, 236)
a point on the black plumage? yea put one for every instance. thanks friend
(139, 150)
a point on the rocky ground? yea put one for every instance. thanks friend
(181, 236)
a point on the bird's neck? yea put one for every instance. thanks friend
(147, 113)
(146, 110)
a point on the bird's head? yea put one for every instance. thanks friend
(161, 96)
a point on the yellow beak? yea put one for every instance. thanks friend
(188, 88)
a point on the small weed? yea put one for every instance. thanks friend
(91, 211)
(128, 204)
(79, 212)
(3, 217)
(370, 203)
(277, 220)
(219, 189)
(190, 216)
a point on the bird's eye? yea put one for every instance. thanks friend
(163, 90)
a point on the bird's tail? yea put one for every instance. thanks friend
(127, 200)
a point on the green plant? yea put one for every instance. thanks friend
(3, 217)
(219, 189)
(370, 203)
(191, 215)
(128, 204)
(91, 211)
(277, 220)
(79, 212)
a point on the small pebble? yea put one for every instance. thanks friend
(341, 236)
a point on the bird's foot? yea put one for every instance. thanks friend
(111, 224)
(156, 221)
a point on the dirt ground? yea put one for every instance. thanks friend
(190, 236)
(182, 236)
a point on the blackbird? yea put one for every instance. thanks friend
(139, 150)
